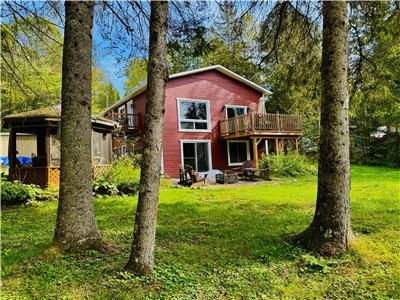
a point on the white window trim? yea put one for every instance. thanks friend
(121, 108)
(208, 121)
(209, 152)
(234, 106)
(247, 150)
(162, 161)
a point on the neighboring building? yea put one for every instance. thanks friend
(43, 127)
(214, 119)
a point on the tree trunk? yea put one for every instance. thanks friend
(329, 232)
(76, 224)
(141, 261)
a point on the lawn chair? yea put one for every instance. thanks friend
(246, 170)
(184, 179)
(194, 176)
(264, 171)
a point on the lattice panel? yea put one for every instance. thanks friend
(54, 176)
(98, 171)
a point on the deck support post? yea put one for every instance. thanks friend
(297, 144)
(255, 152)
(47, 146)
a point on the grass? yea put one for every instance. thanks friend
(226, 243)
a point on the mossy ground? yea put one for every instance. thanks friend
(227, 243)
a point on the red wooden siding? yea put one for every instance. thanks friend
(214, 86)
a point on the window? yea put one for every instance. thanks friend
(130, 114)
(193, 115)
(235, 111)
(238, 152)
(196, 154)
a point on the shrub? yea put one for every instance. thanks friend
(289, 165)
(128, 188)
(123, 171)
(123, 178)
(13, 193)
(103, 187)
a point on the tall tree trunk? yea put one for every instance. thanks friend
(141, 261)
(329, 232)
(76, 224)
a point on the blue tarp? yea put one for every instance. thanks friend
(24, 160)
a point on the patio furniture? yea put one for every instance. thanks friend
(194, 176)
(228, 176)
(264, 171)
(184, 179)
(189, 176)
(246, 170)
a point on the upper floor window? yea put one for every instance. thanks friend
(193, 115)
(235, 111)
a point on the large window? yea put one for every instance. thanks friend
(196, 154)
(238, 152)
(193, 115)
(235, 111)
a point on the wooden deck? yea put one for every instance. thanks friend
(261, 125)
(127, 121)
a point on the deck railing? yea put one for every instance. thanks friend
(126, 120)
(253, 121)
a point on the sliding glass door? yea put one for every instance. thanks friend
(197, 155)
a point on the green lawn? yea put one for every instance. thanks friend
(227, 243)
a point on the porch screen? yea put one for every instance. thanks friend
(101, 148)
(237, 152)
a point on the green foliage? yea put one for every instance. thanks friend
(123, 171)
(103, 187)
(310, 264)
(136, 73)
(289, 165)
(123, 178)
(15, 193)
(219, 243)
(103, 92)
(31, 65)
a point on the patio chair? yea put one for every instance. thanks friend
(183, 177)
(242, 172)
(264, 171)
(194, 176)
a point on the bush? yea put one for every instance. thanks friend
(14, 193)
(103, 187)
(123, 171)
(123, 178)
(289, 165)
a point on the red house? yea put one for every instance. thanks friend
(214, 119)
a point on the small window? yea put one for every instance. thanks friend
(193, 115)
(238, 152)
(235, 111)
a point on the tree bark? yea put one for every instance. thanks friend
(329, 231)
(141, 260)
(76, 224)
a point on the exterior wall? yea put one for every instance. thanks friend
(214, 86)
